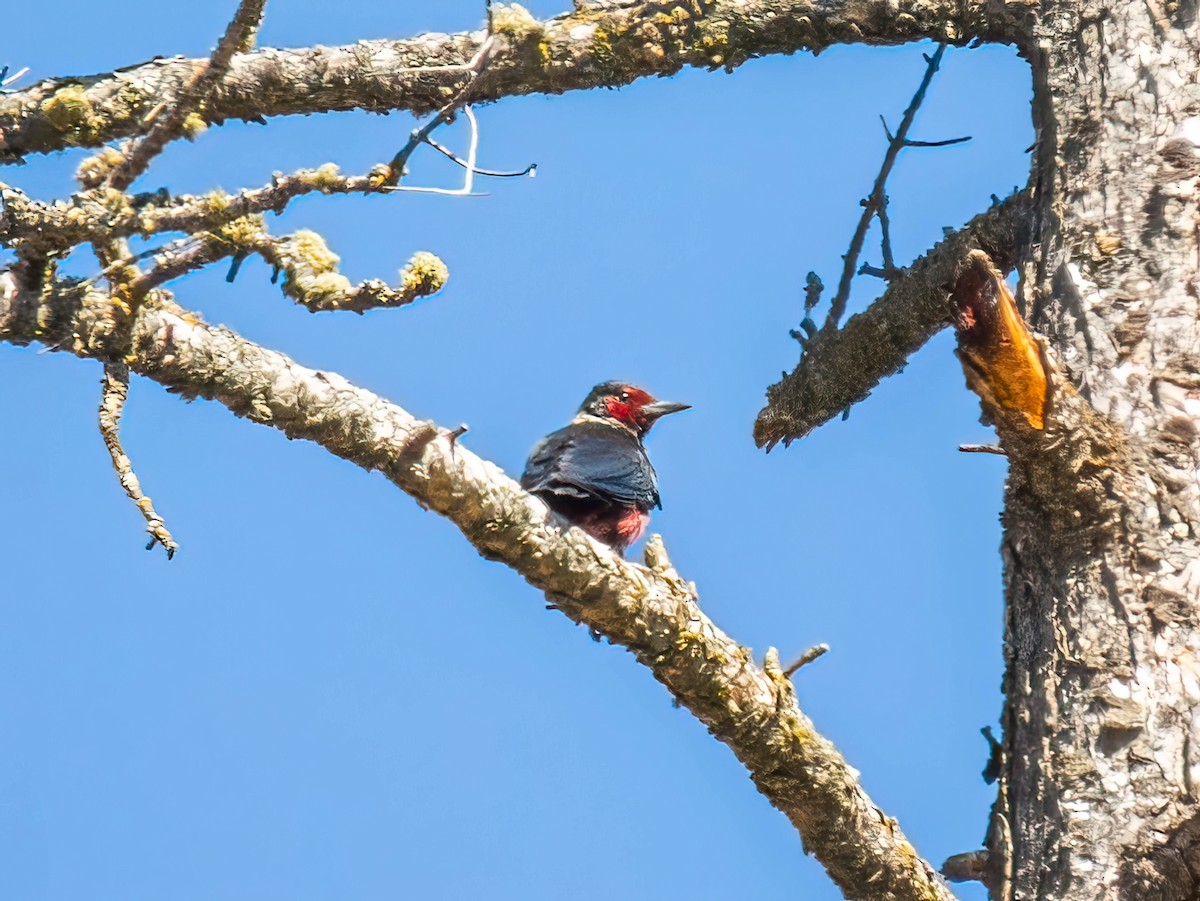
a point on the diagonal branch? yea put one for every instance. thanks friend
(647, 609)
(840, 368)
(592, 46)
(166, 123)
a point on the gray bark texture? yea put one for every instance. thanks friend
(1097, 780)
(1102, 519)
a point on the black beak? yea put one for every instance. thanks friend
(662, 408)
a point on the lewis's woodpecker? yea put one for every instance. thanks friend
(595, 472)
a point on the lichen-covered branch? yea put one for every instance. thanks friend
(312, 280)
(309, 268)
(112, 405)
(104, 214)
(167, 122)
(839, 368)
(592, 46)
(648, 609)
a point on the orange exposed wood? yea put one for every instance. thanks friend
(1000, 357)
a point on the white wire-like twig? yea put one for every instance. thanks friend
(468, 181)
(14, 78)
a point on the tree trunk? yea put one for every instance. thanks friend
(1101, 549)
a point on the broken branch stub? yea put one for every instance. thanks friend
(1000, 357)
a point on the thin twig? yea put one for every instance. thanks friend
(982, 449)
(885, 240)
(6, 79)
(946, 143)
(478, 64)
(490, 173)
(112, 405)
(877, 198)
(468, 181)
(165, 124)
(181, 257)
(813, 653)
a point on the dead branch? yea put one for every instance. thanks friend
(166, 122)
(586, 48)
(112, 405)
(839, 368)
(875, 203)
(648, 609)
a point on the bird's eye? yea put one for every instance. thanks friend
(624, 398)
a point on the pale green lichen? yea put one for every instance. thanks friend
(310, 268)
(69, 111)
(325, 178)
(217, 202)
(193, 126)
(424, 274)
(326, 286)
(93, 170)
(306, 249)
(246, 231)
(515, 21)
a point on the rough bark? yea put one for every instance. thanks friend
(1102, 543)
(840, 367)
(1102, 518)
(597, 45)
(648, 609)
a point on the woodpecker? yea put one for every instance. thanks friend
(595, 472)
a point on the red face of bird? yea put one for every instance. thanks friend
(628, 405)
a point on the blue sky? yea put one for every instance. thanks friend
(327, 693)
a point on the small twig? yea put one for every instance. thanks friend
(468, 181)
(876, 200)
(983, 449)
(454, 434)
(972, 866)
(530, 170)
(876, 272)
(112, 405)
(995, 762)
(6, 79)
(165, 123)
(813, 286)
(885, 231)
(813, 653)
(946, 143)
(478, 64)
(181, 257)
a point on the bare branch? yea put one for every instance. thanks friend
(166, 124)
(816, 652)
(648, 609)
(112, 405)
(982, 449)
(490, 173)
(586, 48)
(876, 202)
(840, 368)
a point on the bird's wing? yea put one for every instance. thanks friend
(598, 462)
